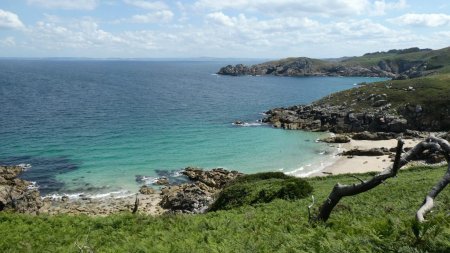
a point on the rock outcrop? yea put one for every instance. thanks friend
(323, 116)
(338, 119)
(17, 194)
(367, 152)
(399, 69)
(197, 196)
(336, 139)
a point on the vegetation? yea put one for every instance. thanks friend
(434, 58)
(432, 93)
(261, 188)
(377, 221)
(437, 60)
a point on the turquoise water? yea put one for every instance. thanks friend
(93, 126)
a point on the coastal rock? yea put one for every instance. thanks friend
(17, 194)
(366, 152)
(216, 178)
(197, 196)
(338, 119)
(187, 198)
(336, 139)
(146, 190)
(374, 136)
(162, 181)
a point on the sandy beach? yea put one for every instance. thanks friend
(362, 164)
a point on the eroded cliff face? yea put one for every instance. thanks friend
(400, 69)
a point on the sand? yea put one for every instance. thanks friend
(362, 164)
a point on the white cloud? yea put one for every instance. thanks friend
(10, 20)
(322, 7)
(153, 17)
(80, 35)
(241, 22)
(306, 7)
(221, 19)
(149, 5)
(8, 42)
(66, 4)
(365, 29)
(430, 20)
(380, 7)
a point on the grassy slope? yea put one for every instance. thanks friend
(435, 59)
(377, 221)
(432, 93)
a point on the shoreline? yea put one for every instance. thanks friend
(149, 203)
(345, 164)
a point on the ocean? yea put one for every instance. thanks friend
(96, 127)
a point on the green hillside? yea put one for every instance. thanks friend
(436, 59)
(381, 220)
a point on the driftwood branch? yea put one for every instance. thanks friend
(428, 203)
(339, 191)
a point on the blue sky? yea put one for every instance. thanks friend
(215, 28)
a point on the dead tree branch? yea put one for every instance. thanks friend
(428, 203)
(339, 191)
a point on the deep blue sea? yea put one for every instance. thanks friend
(94, 126)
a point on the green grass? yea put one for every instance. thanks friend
(437, 60)
(377, 221)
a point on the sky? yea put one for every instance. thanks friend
(219, 28)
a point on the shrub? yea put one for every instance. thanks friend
(261, 188)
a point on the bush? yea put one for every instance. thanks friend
(261, 188)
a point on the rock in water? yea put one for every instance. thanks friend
(17, 194)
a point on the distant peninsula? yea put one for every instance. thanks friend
(396, 64)
(418, 97)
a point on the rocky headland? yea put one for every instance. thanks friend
(392, 64)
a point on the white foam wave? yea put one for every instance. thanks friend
(81, 195)
(25, 166)
(33, 185)
(177, 173)
(246, 124)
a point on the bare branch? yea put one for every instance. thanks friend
(431, 143)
